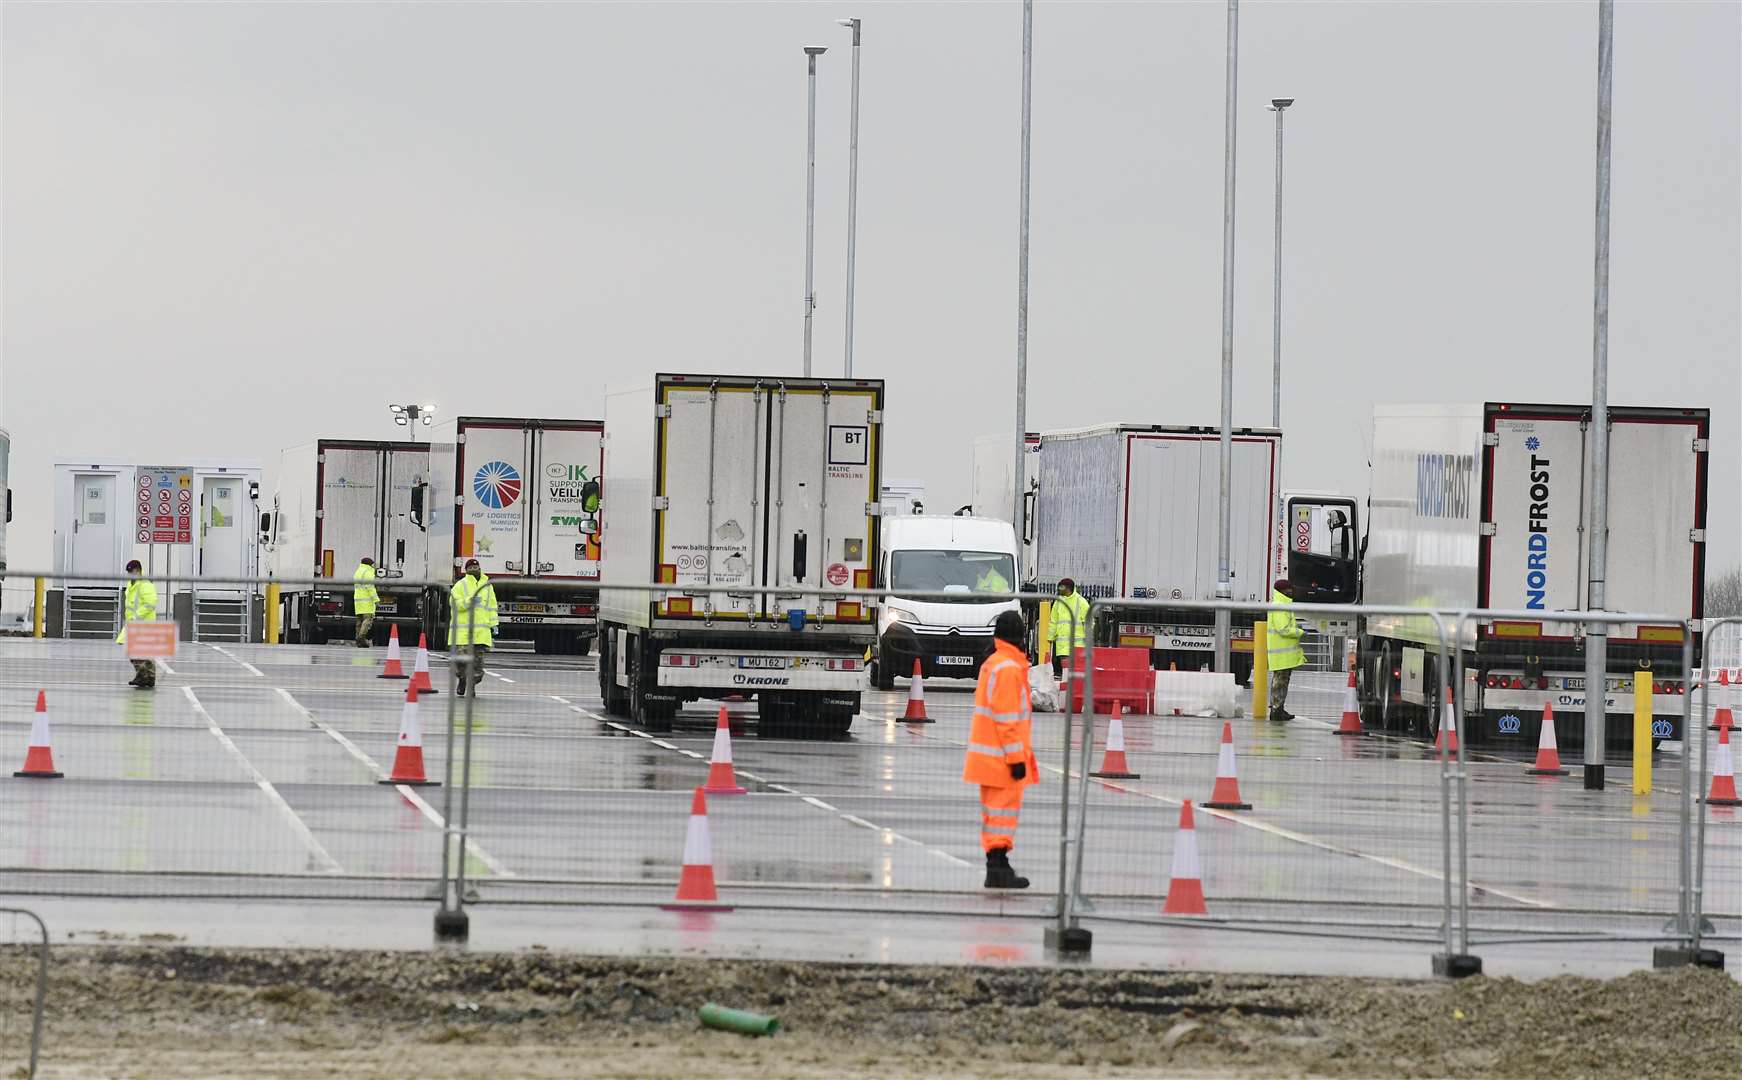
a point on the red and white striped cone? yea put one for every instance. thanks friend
(916, 699)
(1185, 888)
(1113, 763)
(721, 779)
(1725, 717)
(695, 887)
(1447, 740)
(408, 758)
(1548, 753)
(420, 671)
(1723, 774)
(39, 755)
(1226, 794)
(392, 669)
(1351, 724)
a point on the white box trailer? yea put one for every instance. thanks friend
(193, 520)
(1130, 511)
(339, 500)
(760, 485)
(522, 496)
(1483, 506)
(993, 492)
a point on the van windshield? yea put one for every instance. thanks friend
(966, 572)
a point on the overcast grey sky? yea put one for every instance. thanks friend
(228, 229)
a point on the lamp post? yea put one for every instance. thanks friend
(1020, 468)
(1276, 106)
(852, 188)
(811, 53)
(1224, 576)
(1597, 637)
(409, 416)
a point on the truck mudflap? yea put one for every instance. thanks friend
(743, 669)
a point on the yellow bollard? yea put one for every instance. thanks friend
(1260, 670)
(39, 611)
(1041, 628)
(272, 601)
(1641, 732)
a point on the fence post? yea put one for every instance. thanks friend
(1642, 732)
(451, 920)
(41, 975)
(1066, 936)
(1260, 669)
(1690, 921)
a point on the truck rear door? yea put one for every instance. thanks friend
(823, 482)
(493, 471)
(1535, 492)
(712, 485)
(406, 542)
(1165, 518)
(565, 507)
(348, 521)
(1654, 509)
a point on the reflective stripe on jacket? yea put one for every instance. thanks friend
(1284, 634)
(138, 604)
(364, 596)
(999, 735)
(1068, 631)
(467, 627)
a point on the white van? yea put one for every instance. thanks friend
(972, 556)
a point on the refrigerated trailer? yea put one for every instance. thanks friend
(1483, 506)
(761, 486)
(993, 492)
(339, 500)
(522, 496)
(1129, 511)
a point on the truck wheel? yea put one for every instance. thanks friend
(615, 700)
(881, 677)
(774, 716)
(310, 627)
(583, 645)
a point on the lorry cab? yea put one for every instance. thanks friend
(971, 556)
(1324, 558)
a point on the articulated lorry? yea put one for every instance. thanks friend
(339, 500)
(1483, 506)
(522, 496)
(761, 486)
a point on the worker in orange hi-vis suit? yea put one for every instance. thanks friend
(1001, 748)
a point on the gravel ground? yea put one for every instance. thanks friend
(163, 1010)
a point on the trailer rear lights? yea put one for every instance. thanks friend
(676, 660)
(329, 607)
(583, 609)
(1542, 682)
(850, 663)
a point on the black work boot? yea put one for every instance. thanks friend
(1281, 715)
(999, 875)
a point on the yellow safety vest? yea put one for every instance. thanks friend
(364, 596)
(1068, 626)
(466, 626)
(1284, 634)
(138, 604)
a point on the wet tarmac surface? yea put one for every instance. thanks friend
(253, 771)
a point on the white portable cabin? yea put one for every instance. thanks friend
(108, 512)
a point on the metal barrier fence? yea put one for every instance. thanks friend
(275, 771)
(16, 939)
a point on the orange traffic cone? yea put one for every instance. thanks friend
(1548, 754)
(408, 759)
(695, 888)
(1351, 724)
(1113, 763)
(392, 669)
(1185, 890)
(39, 755)
(1725, 717)
(420, 671)
(721, 779)
(916, 698)
(1723, 775)
(1448, 736)
(1226, 794)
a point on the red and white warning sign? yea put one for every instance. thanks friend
(837, 574)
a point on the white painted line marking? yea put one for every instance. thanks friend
(812, 800)
(167, 670)
(493, 675)
(410, 793)
(330, 865)
(252, 670)
(1287, 834)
